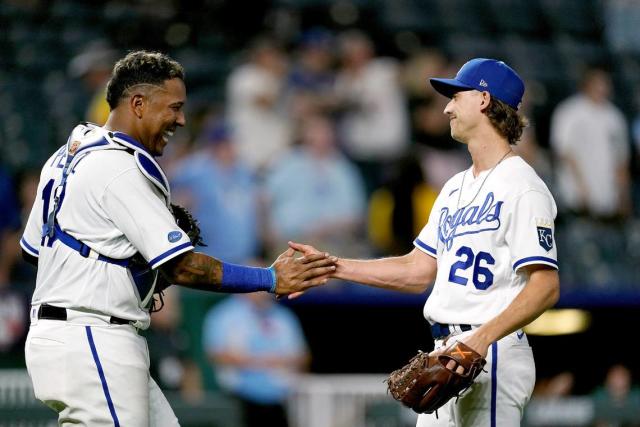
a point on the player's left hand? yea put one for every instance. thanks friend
(305, 249)
(298, 274)
(477, 343)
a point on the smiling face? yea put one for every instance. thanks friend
(160, 112)
(465, 111)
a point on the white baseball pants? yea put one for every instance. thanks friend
(93, 373)
(499, 395)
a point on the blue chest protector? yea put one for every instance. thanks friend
(87, 138)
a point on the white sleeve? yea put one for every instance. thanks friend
(530, 231)
(137, 209)
(32, 234)
(427, 240)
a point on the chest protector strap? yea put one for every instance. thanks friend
(87, 138)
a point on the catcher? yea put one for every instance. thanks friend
(489, 247)
(103, 235)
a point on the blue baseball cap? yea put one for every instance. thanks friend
(483, 74)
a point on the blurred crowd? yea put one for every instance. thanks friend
(322, 138)
(614, 403)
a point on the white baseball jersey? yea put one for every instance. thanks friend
(116, 202)
(482, 233)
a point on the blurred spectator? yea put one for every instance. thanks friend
(314, 194)
(222, 194)
(441, 157)
(310, 82)
(169, 363)
(635, 135)
(528, 147)
(23, 275)
(427, 62)
(257, 110)
(13, 303)
(9, 226)
(590, 141)
(399, 209)
(256, 347)
(617, 404)
(374, 127)
(621, 25)
(93, 66)
(560, 385)
(14, 309)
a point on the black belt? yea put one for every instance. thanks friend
(51, 312)
(442, 330)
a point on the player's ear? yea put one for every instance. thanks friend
(137, 104)
(486, 99)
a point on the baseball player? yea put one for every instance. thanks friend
(101, 200)
(488, 245)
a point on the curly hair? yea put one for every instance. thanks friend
(140, 68)
(506, 120)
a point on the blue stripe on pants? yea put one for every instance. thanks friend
(494, 381)
(103, 380)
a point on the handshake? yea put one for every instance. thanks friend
(294, 275)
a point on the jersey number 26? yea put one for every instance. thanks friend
(481, 276)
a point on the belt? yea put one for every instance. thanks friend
(442, 330)
(51, 312)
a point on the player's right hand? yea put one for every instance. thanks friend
(299, 274)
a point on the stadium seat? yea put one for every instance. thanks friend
(516, 16)
(410, 15)
(577, 17)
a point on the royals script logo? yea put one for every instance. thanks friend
(469, 220)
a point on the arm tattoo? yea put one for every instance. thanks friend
(195, 270)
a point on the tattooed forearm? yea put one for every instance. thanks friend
(195, 270)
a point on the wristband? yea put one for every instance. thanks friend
(274, 277)
(243, 279)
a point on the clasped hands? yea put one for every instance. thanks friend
(296, 275)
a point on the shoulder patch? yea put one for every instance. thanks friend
(152, 170)
(545, 233)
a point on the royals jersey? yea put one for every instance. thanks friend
(116, 202)
(482, 233)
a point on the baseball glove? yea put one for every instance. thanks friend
(425, 383)
(144, 276)
(188, 224)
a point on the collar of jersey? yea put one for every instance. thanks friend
(128, 141)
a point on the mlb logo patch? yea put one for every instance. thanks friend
(174, 236)
(545, 238)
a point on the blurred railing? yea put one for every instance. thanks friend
(345, 400)
(19, 408)
(362, 401)
(319, 401)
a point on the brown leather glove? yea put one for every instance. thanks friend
(425, 383)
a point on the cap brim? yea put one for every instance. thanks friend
(448, 87)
